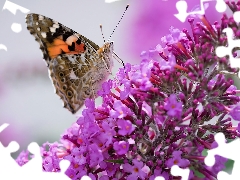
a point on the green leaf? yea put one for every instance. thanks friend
(118, 161)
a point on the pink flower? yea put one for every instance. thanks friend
(121, 147)
(125, 127)
(158, 172)
(153, 18)
(177, 160)
(173, 107)
(235, 112)
(120, 110)
(135, 170)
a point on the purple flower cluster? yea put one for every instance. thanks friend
(156, 114)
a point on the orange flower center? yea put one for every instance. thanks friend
(135, 170)
(173, 106)
(175, 161)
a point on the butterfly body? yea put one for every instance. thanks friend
(77, 66)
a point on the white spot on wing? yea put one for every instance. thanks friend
(71, 39)
(83, 58)
(72, 75)
(55, 63)
(44, 35)
(79, 66)
(38, 29)
(56, 25)
(52, 29)
(71, 59)
(40, 17)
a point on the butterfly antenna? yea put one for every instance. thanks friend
(118, 22)
(102, 34)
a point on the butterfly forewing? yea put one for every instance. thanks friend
(77, 66)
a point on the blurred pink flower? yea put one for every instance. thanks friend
(154, 18)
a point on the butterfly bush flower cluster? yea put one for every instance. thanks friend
(160, 113)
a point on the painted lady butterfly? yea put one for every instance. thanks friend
(77, 66)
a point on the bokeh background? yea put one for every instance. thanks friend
(27, 99)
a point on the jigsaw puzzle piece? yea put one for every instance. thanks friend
(177, 171)
(181, 6)
(5, 125)
(9, 169)
(35, 164)
(110, 1)
(12, 7)
(223, 150)
(86, 178)
(223, 176)
(159, 178)
(5, 155)
(2, 46)
(236, 16)
(64, 164)
(16, 27)
(221, 6)
(182, 15)
(220, 150)
(222, 51)
(7, 164)
(35, 167)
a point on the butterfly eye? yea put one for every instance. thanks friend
(87, 92)
(63, 80)
(69, 93)
(64, 87)
(61, 74)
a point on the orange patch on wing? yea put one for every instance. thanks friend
(56, 48)
(79, 47)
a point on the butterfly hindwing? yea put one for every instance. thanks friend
(72, 78)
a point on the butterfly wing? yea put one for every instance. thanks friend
(55, 38)
(71, 58)
(73, 79)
